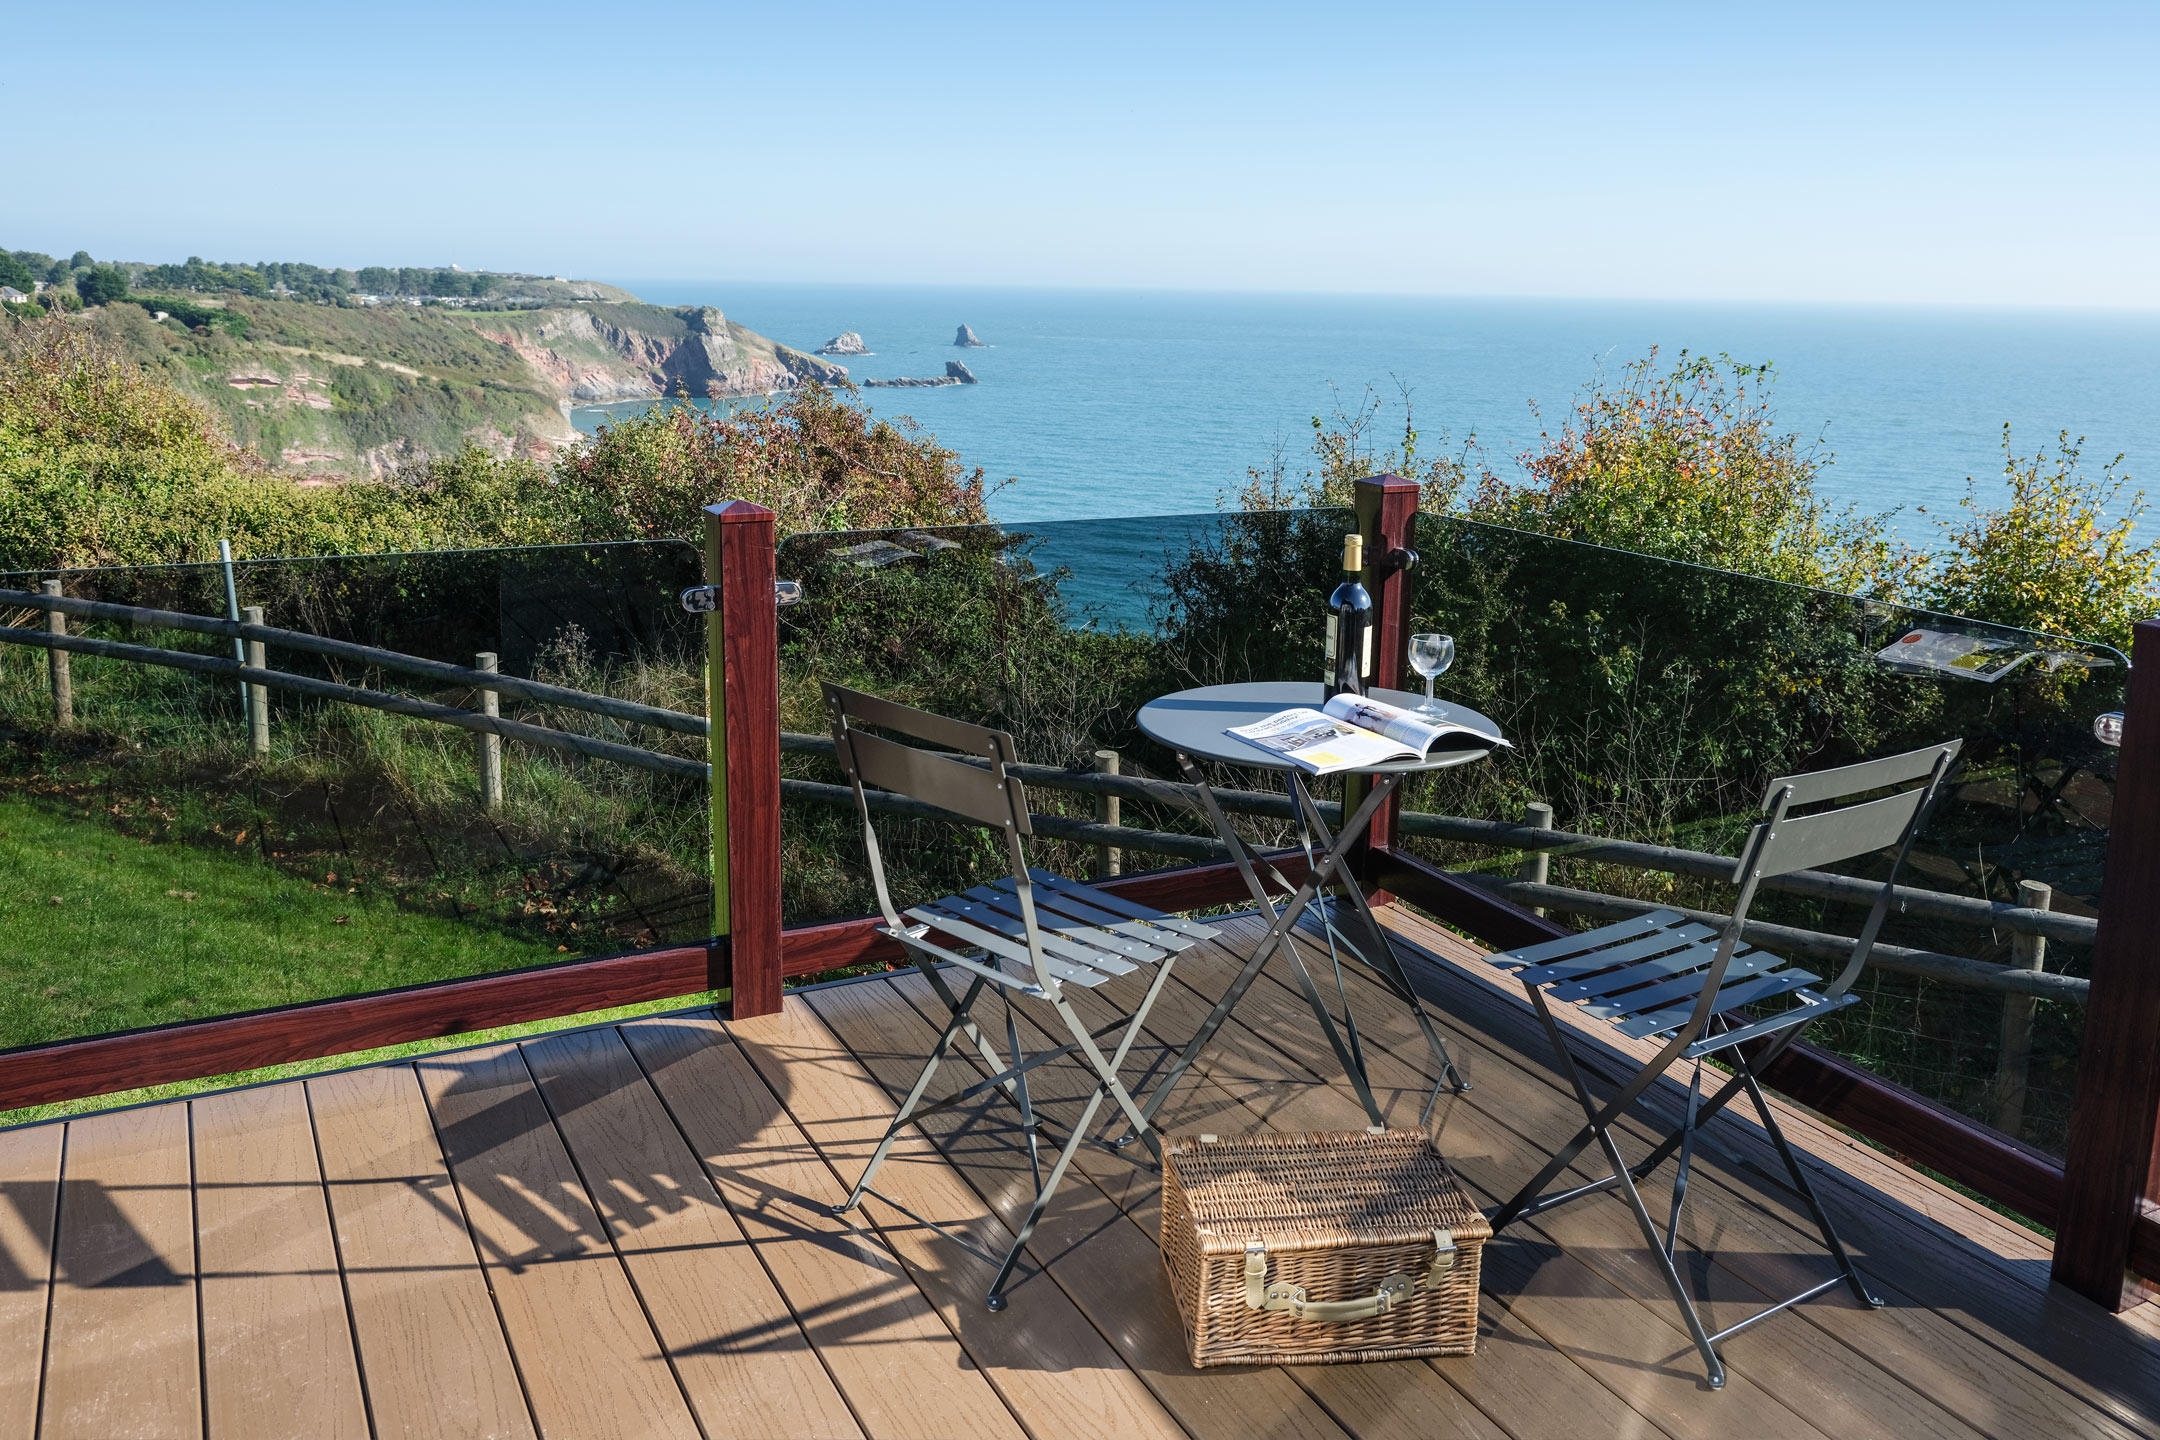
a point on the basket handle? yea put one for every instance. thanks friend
(1400, 1286)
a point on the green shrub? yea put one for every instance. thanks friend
(2049, 559)
(1688, 464)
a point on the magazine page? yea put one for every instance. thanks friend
(1417, 731)
(1971, 656)
(1320, 743)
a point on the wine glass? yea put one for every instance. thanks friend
(1429, 656)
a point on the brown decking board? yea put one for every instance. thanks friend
(624, 1230)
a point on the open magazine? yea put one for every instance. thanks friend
(1356, 732)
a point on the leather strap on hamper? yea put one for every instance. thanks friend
(1260, 1295)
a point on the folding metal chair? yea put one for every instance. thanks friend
(1665, 974)
(1030, 935)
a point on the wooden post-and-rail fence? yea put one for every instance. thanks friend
(2103, 1199)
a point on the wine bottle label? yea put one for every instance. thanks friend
(1365, 653)
(1327, 628)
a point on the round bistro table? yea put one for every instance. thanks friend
(1192, 724)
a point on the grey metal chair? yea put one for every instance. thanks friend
(1664, 974)
(1030, 935)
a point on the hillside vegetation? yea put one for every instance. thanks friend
(339, 374)
(104, 461)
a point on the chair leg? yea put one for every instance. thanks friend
(960, 1019)
(1835, 1246)
(1687, 1156)
(996, 1297)
(1664, 1257)
(1027, 1108)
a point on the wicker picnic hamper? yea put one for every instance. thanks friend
(1307, 1249)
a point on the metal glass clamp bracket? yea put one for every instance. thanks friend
(704, 599)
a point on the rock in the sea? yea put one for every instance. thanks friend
(847, 342)
(954, 370)
(966, 340)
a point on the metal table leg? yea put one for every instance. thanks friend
(1279, 940)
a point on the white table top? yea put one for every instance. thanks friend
(1193, 722)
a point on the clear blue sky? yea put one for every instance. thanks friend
(1876, 152)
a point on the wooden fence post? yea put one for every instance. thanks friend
(258, 696)
(742, 680)
(2109, 1169)
(491, 772)
(1109, 860)
(1537, 866)
(1387, 519)
(2013, 1062)
(63, 687)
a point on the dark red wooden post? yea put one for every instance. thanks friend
(743, 683)
(1387, 519)
(2113, 1163)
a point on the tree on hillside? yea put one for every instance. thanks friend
(14, 272)
(102, 285)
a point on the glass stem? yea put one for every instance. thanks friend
(1429, 679)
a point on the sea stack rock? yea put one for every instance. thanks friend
(847, 342)
(966, 340)
(954, 370)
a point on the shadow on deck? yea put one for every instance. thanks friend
(624, 1231)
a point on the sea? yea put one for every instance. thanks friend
(1105, 403)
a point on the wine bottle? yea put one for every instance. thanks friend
(1349, 626)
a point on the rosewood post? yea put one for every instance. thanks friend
(1387, 519)
(743, 700)
(2109, 1173)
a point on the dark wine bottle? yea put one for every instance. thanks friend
(1349, 626)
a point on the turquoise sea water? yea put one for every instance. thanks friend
(1100, 403)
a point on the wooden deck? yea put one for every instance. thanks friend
(622, 1231)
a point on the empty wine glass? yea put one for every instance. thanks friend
(1429, 656)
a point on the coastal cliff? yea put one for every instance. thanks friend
(338, 392)
(596, 353)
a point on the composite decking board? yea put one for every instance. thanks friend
(29, 1198)
(1497, 1133)
(1054, 1368)
(1773, 1249)
(746, 1365)
(123, 1357)
(1997, 1371)
(1111, 1273)
(1399, 1400)
(278, 1353)
(592, 1366)
(904, 1374)
(1279, 1090)
(433, 1358)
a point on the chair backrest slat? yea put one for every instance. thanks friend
(971, 790)
(1807, 842)
(868, 709)
(1820, 785)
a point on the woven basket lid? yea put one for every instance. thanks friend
(1321, 1191)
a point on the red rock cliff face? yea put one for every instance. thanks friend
(626, 352)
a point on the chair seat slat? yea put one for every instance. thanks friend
(1575, 944)
(1067, 902)
(1005, 949)
(1679, 937)
(1053, 943)
(1129, 938)
(1759, 987)
(1118, 905)
(1076, 942)
(1657, 997)
(1690, 960)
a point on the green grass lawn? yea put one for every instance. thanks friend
(100, 931)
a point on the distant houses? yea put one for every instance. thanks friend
(11, 296)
